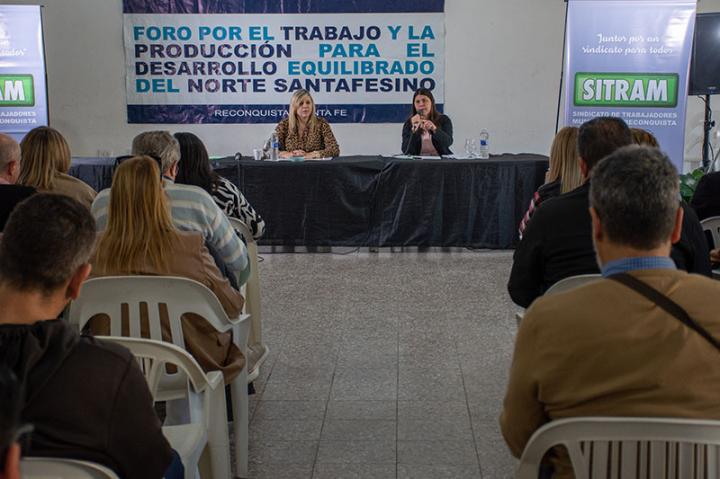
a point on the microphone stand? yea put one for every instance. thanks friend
(707, 128)
(238, 157)
(413, 131)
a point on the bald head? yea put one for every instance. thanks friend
(9, 158)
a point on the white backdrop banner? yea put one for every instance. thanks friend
(360, 60)
(23, 94)
(631, 59)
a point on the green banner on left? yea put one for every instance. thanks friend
(17, 90)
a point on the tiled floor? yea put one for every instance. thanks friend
(386, 365)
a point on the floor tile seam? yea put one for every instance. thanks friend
(259, 393)
(397, 396)
(472, 425)
(325, 415)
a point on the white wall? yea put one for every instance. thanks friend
(503, 60)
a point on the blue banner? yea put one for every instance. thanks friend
(264, 113)
(282, 6)
(23, 93)
(189, 67)
(631, 58)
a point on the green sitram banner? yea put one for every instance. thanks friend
(655, 90)
(16, 90)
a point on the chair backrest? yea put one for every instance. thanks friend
(572, 282)
(51, 468)
(151, 295)
(153, 355)
(712, 225)
(252, 286)
(629, 448)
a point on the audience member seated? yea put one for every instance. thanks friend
(86, 399)
(644, 138)
(10, 428)
(303, 133)
(563, 174)
(140, 238)
(690, 252)
(706, 199)
(605, 349)
(194, 169)
(192, 209)
(10, 193)
(558, 241)
(45, 164)
(427, 132)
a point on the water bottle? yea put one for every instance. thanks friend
(274, 146)
(484, 152)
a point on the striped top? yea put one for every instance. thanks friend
(229, 198)
(192, 209)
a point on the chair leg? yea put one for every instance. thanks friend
(240, 422)
(218, 438)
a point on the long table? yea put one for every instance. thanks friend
(381, 201)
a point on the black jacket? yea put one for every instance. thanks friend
(557, 243)
(10, 196)
(87, 399)
(441, 139)
(706, 199)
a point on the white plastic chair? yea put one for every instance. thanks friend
(252, 296)
(52, 468)
(712, 225)
(107, 295)
(572, 282)
(206, 398)
(565, 284)
(629, 448)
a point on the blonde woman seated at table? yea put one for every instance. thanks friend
(140, 238)
(45, 162)
(303, 133)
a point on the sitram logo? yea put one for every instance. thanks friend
(657, 90)
(16, 90)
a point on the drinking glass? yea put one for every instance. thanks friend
(470, 148)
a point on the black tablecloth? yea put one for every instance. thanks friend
(96, 172)
(377, 201)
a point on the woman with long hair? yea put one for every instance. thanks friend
(563, 175)
(426, 132)
(303, 133)
(45, 164)
(194, 169)
(140, 238)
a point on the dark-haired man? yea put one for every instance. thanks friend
(87, 399)
(606, 349)
(10, 193)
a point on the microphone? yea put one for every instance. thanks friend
(420, 112)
